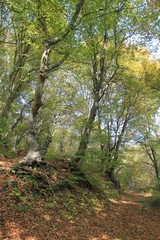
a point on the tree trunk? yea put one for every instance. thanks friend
(109, 174)
(6, 142)
(99, 70)
(85, 137)
(44, 139)
(152, 155)
(16, 86)
(34, 153)
(108, 171)
(155, 163)
(112, 154)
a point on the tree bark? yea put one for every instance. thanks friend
(153, 158)
(16, 85)
(34, 151)
(112, 154)
(99, 70)
(85, 136)
(109, 174)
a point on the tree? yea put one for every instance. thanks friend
(14, 80)
(148, 137)
(114, 120)
(123, 103)
(136, 173)
(34, 151)
(81, 76)
(103, 43)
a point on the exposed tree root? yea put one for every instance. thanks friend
(48, 178)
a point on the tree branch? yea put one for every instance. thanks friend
(56, 65)
(70, 25)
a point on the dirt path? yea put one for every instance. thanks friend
(128, 219)
(125, 219)
(67, 218)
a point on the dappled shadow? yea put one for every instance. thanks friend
(128, 219)
(124, 219)
(58, 218)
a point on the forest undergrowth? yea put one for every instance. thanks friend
(71, 212)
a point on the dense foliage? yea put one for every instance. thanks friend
(80, 80)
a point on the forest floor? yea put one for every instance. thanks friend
(75, 214)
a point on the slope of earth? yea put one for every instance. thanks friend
(73, 214)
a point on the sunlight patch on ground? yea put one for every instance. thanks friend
(147, 194)
(129, 202)
(47, 217)
(15, 233)
(7, 163)
(113, 200)
(13, 230)
(97, 206)
(117, 239)
(94, 238)
(103, 237)
(103, 214)
(31, 238)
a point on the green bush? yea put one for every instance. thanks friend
(54, 154)
(155, 202)
(157, 187)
